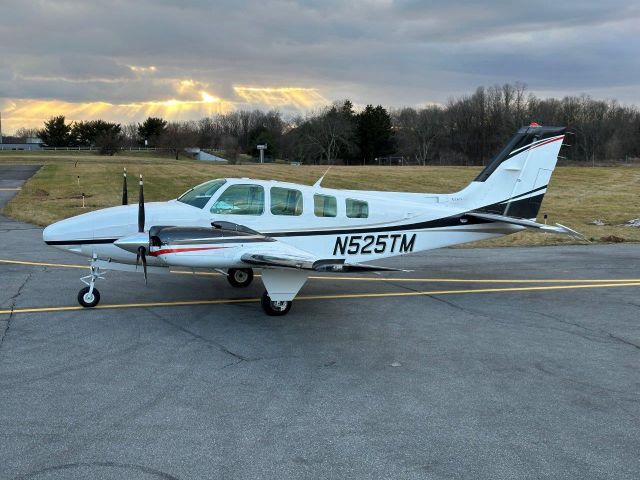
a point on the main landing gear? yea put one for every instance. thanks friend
(240, 277)
(274, 309)
(89, 296)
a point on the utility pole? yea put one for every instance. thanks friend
(0, 127)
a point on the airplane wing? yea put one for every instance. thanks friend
(170, 243)
(523, 222)
(284, 260)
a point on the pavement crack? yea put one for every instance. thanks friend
(560, 320)
(437, 298)
(593, 332)
(622, 340)
(220, 346)
(14, 299)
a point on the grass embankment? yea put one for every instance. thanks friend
(576, 196)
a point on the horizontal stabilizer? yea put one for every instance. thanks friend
(523, 222)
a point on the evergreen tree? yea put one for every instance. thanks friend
(85, 134)
(56, 133)
(374, 134)
(151, 130)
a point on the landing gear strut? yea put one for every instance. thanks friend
(89, 296)
(240, 277)
(274, 309)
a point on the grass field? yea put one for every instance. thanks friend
(576, 196)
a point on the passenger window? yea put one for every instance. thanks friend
(285, 201)
(240, 200)
(357, 208)
(325, 206)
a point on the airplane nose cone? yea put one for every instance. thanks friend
(70, 230)
(52, 233)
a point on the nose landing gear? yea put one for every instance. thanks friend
(89, 296)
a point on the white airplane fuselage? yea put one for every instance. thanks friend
(397, 223)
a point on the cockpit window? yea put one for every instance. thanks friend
(200, 195)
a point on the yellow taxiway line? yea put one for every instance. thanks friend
(369, 279)
(319, 297)
(10, 189)
(43, 264)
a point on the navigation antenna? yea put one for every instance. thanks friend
(317, 184)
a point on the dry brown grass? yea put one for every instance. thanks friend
(576, 196)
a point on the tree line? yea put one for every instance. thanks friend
(466, 130)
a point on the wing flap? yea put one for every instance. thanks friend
(335, 265)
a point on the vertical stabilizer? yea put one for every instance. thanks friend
(515, 180)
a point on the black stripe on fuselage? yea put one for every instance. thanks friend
(524, 194)
(87, 241)
(517, 209)
(451, 221)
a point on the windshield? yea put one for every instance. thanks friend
(200, 195)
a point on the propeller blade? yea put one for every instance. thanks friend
(142, 255)
(125, 196)
(141, 207)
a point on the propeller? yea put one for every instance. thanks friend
(142, 250)
(125, 197)
(141, 207)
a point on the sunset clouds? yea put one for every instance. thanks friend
(122, 60)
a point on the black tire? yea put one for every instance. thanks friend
(240, 277)
(88, 302)
(274, 309)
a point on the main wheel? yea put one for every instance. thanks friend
(240, 277)
(275, 309)
(88, 300)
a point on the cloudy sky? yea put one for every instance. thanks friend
(123, 60)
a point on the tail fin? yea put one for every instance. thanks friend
(515, 181)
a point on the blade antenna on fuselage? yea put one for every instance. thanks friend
(317, 184)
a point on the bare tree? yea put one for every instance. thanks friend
(418, 131)
(329, 130)
(177, 136)
(26, 132)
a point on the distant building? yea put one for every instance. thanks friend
(20, 143)
(199, 154)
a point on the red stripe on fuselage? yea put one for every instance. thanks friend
(164, 251)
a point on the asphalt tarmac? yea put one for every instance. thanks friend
(480, 363)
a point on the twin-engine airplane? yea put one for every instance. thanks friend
(289, 231)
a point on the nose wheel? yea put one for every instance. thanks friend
(240, 277)
(274, 309)
(88, 298)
